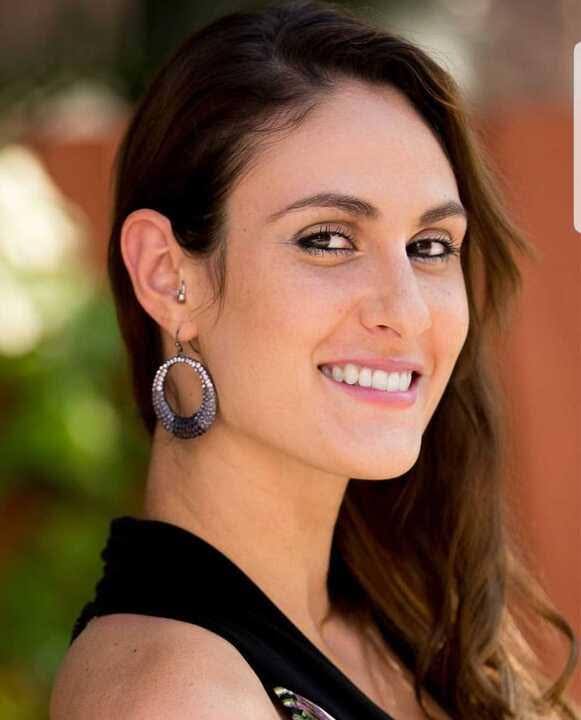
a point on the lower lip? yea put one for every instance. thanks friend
(379, 397)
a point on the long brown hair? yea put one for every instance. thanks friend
(442, 581)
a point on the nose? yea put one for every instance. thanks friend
(395, 298)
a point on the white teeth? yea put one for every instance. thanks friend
(380, 380)
(366, 377)
(405, 380)
(350, 374)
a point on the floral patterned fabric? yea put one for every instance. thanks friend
(302, 709)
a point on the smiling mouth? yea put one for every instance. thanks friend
(414, 381)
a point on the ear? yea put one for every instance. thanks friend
(157, 264)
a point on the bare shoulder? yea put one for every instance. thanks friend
(135, 666)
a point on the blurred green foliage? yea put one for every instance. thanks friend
(73, 456)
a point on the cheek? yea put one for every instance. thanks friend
(285, 298)
(265, 346)
(450, 323)
(446, 337)
(275, 316)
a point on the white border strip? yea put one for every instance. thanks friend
(577, 137)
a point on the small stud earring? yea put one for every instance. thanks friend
(181, 293)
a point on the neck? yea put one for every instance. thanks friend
(272, 515)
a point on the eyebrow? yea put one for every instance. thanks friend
(361, 208)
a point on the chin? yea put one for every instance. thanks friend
(391, 467)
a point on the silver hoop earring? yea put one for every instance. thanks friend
(193, 425)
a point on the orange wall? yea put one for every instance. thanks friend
(532, 146)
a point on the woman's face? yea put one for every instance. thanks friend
(286, 311)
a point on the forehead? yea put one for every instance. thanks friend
(364, 140)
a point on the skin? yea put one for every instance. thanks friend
(265, 483)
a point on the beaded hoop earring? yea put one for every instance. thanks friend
(180, 426)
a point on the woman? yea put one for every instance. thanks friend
(303, 221)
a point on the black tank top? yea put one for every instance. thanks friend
(157, 568)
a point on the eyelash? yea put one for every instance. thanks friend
(305, 243)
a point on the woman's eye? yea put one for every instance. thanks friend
(428, 249)
(434, 254)
(307, 243)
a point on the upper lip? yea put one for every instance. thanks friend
(378, 363)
